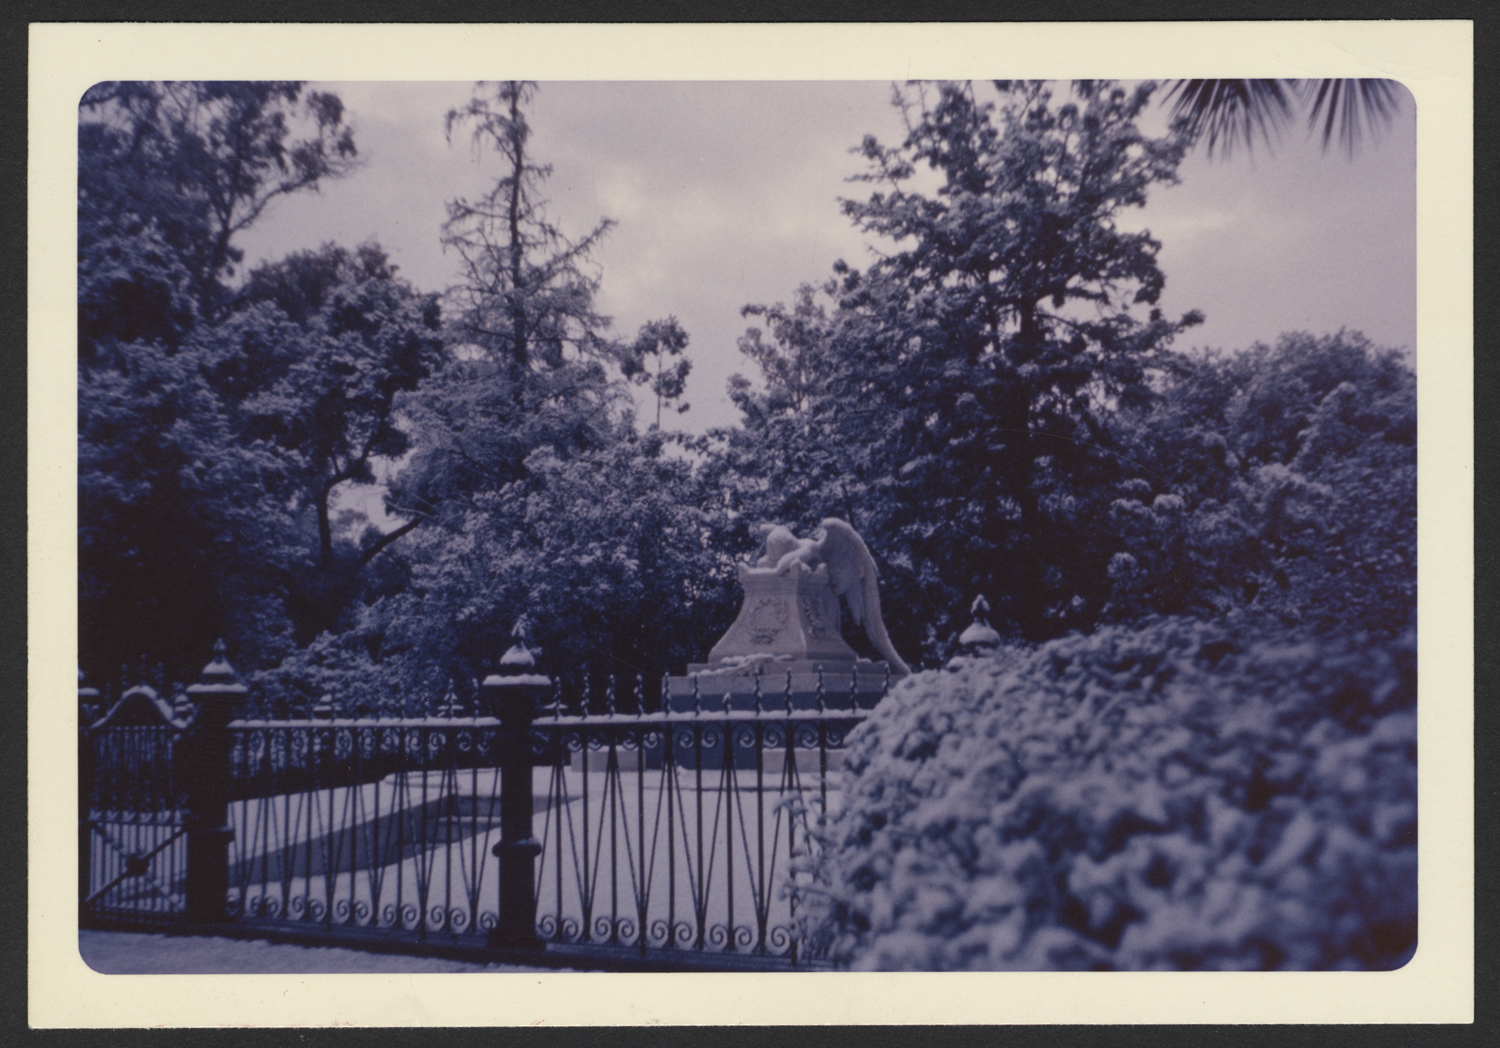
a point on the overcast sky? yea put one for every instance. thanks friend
(727, 194)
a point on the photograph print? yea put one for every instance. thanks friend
(747, 526)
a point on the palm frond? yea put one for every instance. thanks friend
(1227, 111)
(1347, 107)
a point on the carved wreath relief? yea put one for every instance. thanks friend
(767, 619)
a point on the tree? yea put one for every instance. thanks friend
(198, 163)
(1282, 478)
(362, 337)
(528, 404)
(620, 557)
(527, 351)
(645, 362)
(525, 296)
(980, 359)
(186, 530)
(786, 461)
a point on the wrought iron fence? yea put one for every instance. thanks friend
(561, 818)
(132, 823)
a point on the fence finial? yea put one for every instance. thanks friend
(980, 638)
(518, 658)
(218, 670)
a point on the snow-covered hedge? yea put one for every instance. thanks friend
(1174, 796)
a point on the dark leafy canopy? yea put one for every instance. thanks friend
(227, 454)
(347, 337)
(972, 369)
(1284, 478)
(169, 175)
(212, 414)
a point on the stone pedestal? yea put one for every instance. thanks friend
(793, 616)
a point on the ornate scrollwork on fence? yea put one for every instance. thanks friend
(325, 812)
(558, 929)
(805, 736)
(627, 739)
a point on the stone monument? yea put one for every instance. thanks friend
(786, 642)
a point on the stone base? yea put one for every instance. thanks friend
(841, 684)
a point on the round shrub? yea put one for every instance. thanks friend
(1174, 796)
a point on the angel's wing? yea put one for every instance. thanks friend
(852, 573)
(849, 565)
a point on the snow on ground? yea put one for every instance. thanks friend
(134, 953)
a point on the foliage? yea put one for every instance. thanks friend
(525, 295)
(542, 498)
(1283, 477)
(645, 362)
(528, 354)
(965, 382)
(171, 552)
(1175, 796)
(313, 359)
(611, 555)
(187, 166)
(1227, 111)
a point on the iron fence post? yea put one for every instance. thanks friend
(206, 772)
(512, 696)
(86, 716)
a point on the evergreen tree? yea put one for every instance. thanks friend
(528, 355)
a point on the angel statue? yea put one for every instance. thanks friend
(837, 549)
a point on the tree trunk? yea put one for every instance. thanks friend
(518, 171)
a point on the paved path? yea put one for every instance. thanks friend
(133, 953)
